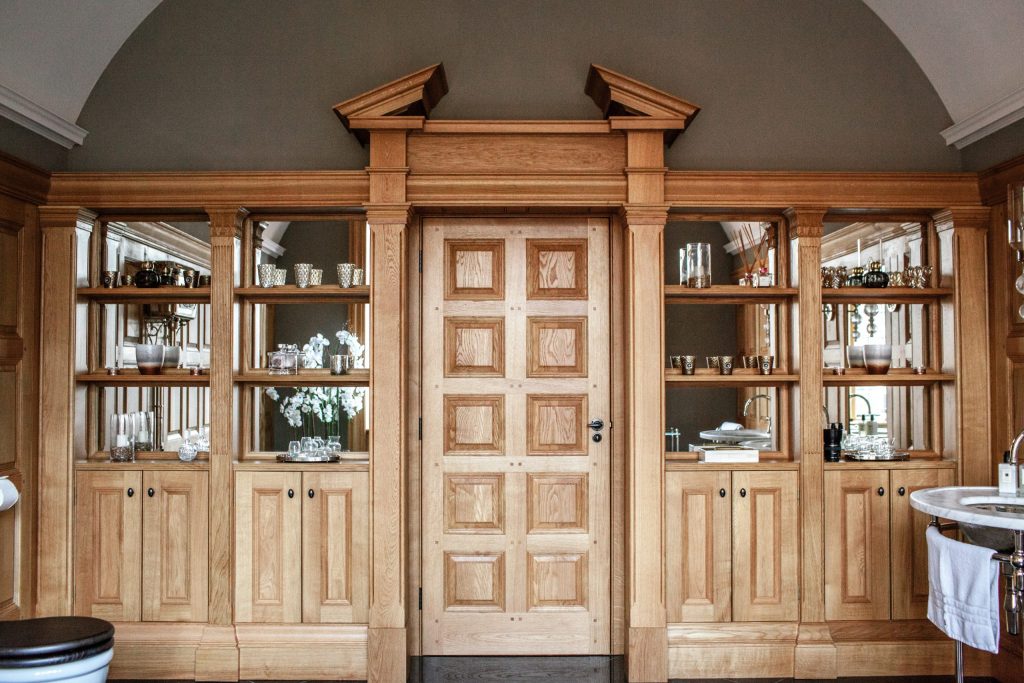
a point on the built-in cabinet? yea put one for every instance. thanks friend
(733, 547)
(876, 561)
(301, 547)
(141, 545)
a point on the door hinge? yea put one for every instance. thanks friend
(421, 260)
(421, 597)
(419, 428)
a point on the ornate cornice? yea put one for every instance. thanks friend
(402, 103)
(962, 218)
(65, 217)
(629, 104)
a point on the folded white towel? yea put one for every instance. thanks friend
(963, 591)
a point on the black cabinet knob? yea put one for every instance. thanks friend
(902, 491)
(721, 493)
(150, 492)
(131, 492)
(310, 493)
(291, 493)
(881, 490)
(743, 493)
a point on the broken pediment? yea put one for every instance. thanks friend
(409, 99)
(622, 98)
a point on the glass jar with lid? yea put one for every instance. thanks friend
(284, 361)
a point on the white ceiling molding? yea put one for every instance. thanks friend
(1008, 110)
(39, 120)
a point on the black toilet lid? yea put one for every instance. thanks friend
(53, 640)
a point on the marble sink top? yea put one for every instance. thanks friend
(975, 505)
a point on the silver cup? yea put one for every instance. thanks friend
(280, 277)
(765, 364)
(109, 279)
(345, 273)
(725, 364)
(675, 361)
(303, 273)
(341, 363)
(712, 361)
(267, 273)
(358, 277)
(689, 364)
(316, 277)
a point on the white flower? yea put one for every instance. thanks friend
(272, 393)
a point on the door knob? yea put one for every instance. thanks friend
(597, 424)
(131, 492)
(291, 493)
(150, 492)
(743, 493)
(902, 491)
(881, 491)
(721, 493)
(310, 493)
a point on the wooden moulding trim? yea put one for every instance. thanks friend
(65, 217)
(644, 123)
(387, 123)
(226, 221)
(780, 189)
(518, 127)
(22, 180)
(262, 634)
(732, 633)
(388, 214)
(620, 97)
(414, 95)
(194, 190)
(645, 214)
(806, 222)
(963, 217)
(992, 182)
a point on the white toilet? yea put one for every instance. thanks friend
(71, 649)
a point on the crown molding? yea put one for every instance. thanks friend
(411, 97)
(629, 104)
(39, 120)
(983, 123)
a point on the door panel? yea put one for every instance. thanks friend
(335, 553)
(909, 550)
(108, 545)
(268, 547)
(516, 492)
(175, 538)
(765, 548)
(698, 521)
(856, 545)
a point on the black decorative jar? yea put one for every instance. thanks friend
(855, 278)
(876, 278)
(147, 277)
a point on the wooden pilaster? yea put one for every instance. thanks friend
(388, 217)
(225, 231)
(57, 396)
(964, 231)
(815, 653)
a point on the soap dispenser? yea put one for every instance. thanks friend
(1007, 476)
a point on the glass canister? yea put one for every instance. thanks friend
(284, 361)
(698, 265)
(145, 431)
(121, 437)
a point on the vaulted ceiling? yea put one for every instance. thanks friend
(52, 52)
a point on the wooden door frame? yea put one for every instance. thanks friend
(616, 394)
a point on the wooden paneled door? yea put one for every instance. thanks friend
(909, 550)
(515, 488)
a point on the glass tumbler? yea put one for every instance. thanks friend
(122, 437)
(698, 265)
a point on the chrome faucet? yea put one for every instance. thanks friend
(1014, 446)
(749, 401)
(866, 402)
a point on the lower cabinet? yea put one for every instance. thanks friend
(876, 560)
(131, 524)
(301, 547)
(732, 546)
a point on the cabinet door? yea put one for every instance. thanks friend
(335, 553)
(108, 545)
(268, 547)
(175, 542)
(856, 545)
(909, 550)
(765, 546)
(697, 553)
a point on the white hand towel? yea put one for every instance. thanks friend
(963, 591)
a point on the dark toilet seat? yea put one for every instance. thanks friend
(52, 640)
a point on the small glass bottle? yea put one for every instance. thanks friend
(876, 278)
(147, 278)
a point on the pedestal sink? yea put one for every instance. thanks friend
(986, 518)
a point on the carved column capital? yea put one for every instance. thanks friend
(962, 218)
(388, 214)
(806, 221)
(226, 221)
(66, 217)
(647, 215)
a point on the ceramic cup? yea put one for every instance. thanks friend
(268, 273)
(765, 364)
(345, 271)
(725, 364)
(316, 276)
(689, 364)
(358, 277)
(109, 279)
(149, 358)
(303, 273)
(712, 361)
(675, 361)
(877, 358)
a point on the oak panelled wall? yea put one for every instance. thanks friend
(539, 311)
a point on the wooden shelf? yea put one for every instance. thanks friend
(743, 377)
(132, 378)
(673, 464)
(290, 294)
(272, 465)
(143, 464)
(312, 378)
(156, 295)
(885, 295)
(857, 377)
(912, 464)
(728, 294)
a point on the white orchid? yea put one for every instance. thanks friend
(323, 404)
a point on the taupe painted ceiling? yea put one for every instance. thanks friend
(52, 52)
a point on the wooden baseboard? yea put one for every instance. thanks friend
(815, 655)
(732, 650)
(155, 650)
(301, 652)
(387, 657)
(217, 655)
(647, 657)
